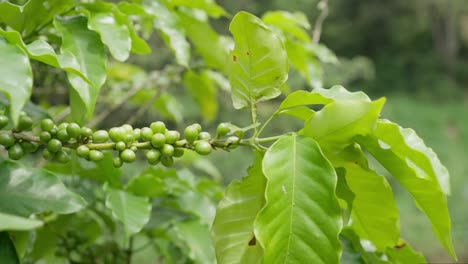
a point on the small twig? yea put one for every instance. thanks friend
(323, 7)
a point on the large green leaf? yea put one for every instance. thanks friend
(13, 222)
(403, 253)
(89, 51)
(233, 227)
(405, 156)
(8, 253)
(196, 237)
(374, 214)
(25, 191)
(259, 64)
(339, 122)
(133, 211)
(211, 46)
(41, 51)
(203, 90)
(16, 81)
(301, 220)
(305, 63)
(114, 33)
(33, 14)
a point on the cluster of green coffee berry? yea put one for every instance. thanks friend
(161, 145)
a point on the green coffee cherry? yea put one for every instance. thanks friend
(95, 155)
(86, 132)
(232, 140)
(117, 162)
(15, 152)
(25, 123)
(120, 146)
(3, 121)
(74, 130)
(45, 136)
(153, 156)
(167, 150)
(127, 128)
(172, 136)
(191, 133)
(222, 129)
(47, 124)
(100, 136)
(47, 155)
(128, 155)
(62, 156)
(29, 147)
(158, 127)
(178, 152)
(204, 136)
(129, 137)
(117, 134)
(146, 134)
(133, 148)
(82, 151)
(62, 135)
(203, 148)
(64, 125)
(136, 134)
(158, 140)
(198, 127)
(7, 140)
(54, 145)
(167, 161)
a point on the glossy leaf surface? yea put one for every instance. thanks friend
(413, 170)
(301, 220)
(13, 222)
(25, 191)
(258, 63)
(233, 227)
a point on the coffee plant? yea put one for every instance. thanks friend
(311, 194)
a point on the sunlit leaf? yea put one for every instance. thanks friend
(13, 222)
(258, 63)
(301, 220)
(209, 6)
(294, 24)
(374, 215)
(16, 82)
(233, 227)
(25, 191)
(402, 253)
(414, 165)
(76, 39)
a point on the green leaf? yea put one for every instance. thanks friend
(172, 31)
(294, 24)
(25, 191)
(354, 247)
(211, 46)
(259, 64)
(233, 227)
(338, 123)
(403, 253)
(16, 81)
(209, 6)
(13, 222)
(114, 33)
(203, 90)
(8, 253)
(301, 220)
(77, 40)
(405, 156)
(133, 211)
(41, 51)
(196, 237)
(374, 213)
(33, 14)
(169, 107)
(304, 62)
